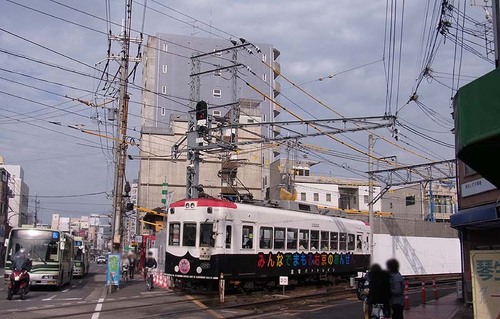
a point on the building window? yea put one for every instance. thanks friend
(366, 199)
(165, 68)
(217, 93)
(328, 197)
(163, 111)
(264, 57)
(163, 89)
(316, 197)
(264, 77)
(410, 200)
(390, 205)
(303, 196)
(165, 47)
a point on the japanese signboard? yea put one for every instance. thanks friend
(485, 268)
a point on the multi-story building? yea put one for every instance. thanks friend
(18, 205)
(344, 194)
(170, 92)
(435, 202)
(4, 207)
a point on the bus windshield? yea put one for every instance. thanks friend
(39, 245)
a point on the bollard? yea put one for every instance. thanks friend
(423, 291)
(221, 288)
(434, 288)
(407, 297)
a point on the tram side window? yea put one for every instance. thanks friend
(206, 238)
(334, 241)
(304, 239)
(174, 231)
(189, 234)
(314, 239)
(266, 238)
(359, 242)
(324, 240)
(279, 238)
(343, 241)
(229, 235)
(351, 242)
(291, 238)
(247, 237)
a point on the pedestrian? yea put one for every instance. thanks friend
(397, 289)
(132, 262)
(379, 290)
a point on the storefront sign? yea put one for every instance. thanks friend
(476, 187)
(485, 268)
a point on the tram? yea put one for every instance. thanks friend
(82, 261)
(255, 245)
(51, 252)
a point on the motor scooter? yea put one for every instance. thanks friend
(19, 283)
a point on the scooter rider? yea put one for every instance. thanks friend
(21, 261)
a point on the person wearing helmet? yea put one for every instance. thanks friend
(21, 260)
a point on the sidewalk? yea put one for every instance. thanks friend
(447, 307)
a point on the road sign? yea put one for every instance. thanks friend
(283, 280)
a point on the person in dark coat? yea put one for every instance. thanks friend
(379, 288)
(397, 289)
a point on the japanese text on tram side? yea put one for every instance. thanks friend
(302, 259)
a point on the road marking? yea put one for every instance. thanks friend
(65, 290)
(69, 299)
(50, 298)
(205, 307)
(98, 307)
(80, 281)
(73, 286)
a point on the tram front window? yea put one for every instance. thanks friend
(206, 238)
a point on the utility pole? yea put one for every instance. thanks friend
(496, 30)
(35, 218)
(371, 144)
(120, 144)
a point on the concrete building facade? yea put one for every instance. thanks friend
(170, 93)
(18, 205)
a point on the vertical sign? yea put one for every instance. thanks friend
(113, 270)
(164, 193)
(485, 268)
(283, 282)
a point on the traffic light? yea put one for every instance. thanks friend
(201, 110)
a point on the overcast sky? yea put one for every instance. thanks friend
(344, 38)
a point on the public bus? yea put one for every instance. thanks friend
(51, 252)
(82, 262)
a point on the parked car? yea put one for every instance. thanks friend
(101, 260)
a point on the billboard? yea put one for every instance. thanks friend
(485, 270)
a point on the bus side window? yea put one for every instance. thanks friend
(228, 236)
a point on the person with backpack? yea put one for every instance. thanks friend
(396, 281)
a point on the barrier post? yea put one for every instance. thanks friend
(434, 288)
(221, 287)
(407, 296)
(423, 291)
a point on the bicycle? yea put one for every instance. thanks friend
(377, 311)
(125, 275)
(149, 278)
